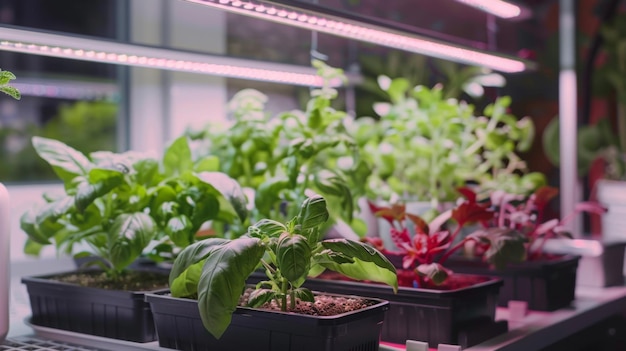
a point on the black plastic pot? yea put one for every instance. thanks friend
(545, 285)
(462, 317)
(116, 314)
(179, 326)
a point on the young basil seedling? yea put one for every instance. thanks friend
(215, 270)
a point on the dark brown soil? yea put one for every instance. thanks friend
(324, 305)
(130, 281)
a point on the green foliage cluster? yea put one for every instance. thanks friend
(5, 85)
(282, 157)
(425, 146)
(115, 205)
(87, 126)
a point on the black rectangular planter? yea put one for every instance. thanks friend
(545, 285)
(179, 326)
(116, 314)
(462, 317)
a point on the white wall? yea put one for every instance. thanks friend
(164, 104)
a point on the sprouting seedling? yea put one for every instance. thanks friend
(5, 78)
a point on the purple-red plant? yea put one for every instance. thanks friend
(426, 251)
(527, 215)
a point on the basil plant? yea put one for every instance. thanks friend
(215, 270)
(116, 205)
(279, 157)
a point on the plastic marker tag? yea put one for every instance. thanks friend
(412, 345)
(446, 347)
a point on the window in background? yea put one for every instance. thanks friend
(73, 101)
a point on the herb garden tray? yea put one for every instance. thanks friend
(545, 285)
(180, 327)
(462, 317)
(114, 314)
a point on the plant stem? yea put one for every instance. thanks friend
(456, 232)
(448, 253)
(268, 266)
(247, 170)
(283, 289)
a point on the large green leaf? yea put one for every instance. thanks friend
(147, 172)
(66, 162)
(228, 191)
(193, 254)
(369, 263)
(205, 209)
(177, 158)
(293, 256)
(179, 228)
(223, 279)
(28, 223)
(128, 237)
(268, 194)
(41, 224)
(313, 212)
(260, 297)
(207, 164)
(186, 284)
(331, 184)
(267, 228)
(101, 181)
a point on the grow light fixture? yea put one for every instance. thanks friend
(498, 8)
(63, 89)
(97, 50)
(320, 19)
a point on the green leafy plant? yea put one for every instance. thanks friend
(215, 270)
(281, 157)
(5, 79)
(116, 205)
(458, 80)
(425, 146)
(87, 126)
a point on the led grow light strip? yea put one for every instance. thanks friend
(371, 33)
(60, 89)
(498, 8)
(87, 49)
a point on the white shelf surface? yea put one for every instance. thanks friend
(541, 329)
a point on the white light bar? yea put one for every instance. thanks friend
(65, 89)
(88, 49)
(366, 32)
(498, 8)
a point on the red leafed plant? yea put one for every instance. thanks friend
(527, 215)
(426, 250)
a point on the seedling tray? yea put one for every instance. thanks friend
(179, 326)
